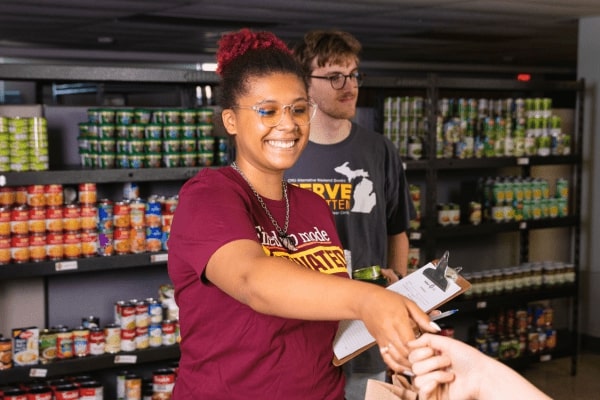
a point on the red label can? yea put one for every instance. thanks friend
(7, 196)
(97, 341)
(87, 193)
(72, 244)
(121, 241)
(54, 195)
(5, 221)
(19, 248)
(54, 245)
(5, 254)
(20, 195)
(37, 247)
(121, 214)
(89, 243)
(35, 196)
(71, 217)
(37, 220)
(19, 220)
(89, 216)
(54, 219)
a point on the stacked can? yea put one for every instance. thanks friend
(405, 124)
(105, 227)
(168, 207)
(23, 144)
(154, 224)
(88, 215)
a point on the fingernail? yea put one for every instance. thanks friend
(435, 326)
(408, 372)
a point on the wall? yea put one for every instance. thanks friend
(588, 68)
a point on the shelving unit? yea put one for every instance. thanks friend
(61, 81)
(432, 238)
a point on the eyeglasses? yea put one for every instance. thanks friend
(338, 81)
(271, 112)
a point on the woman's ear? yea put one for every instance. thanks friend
(229, 121)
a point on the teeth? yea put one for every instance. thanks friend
(284, 144)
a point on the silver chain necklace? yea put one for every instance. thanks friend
(285, 239)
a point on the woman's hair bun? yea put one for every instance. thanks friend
(236, 44)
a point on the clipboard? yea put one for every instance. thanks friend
(428, 293)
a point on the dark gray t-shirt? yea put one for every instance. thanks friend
(363, 180)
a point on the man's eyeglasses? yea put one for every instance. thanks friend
(271, 112)
(338, 81)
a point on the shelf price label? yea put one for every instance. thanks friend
(156, 258)
(523, 225)
(545, 357)
(125, 359)
(415, 236)
(523, 161)
(481, 305)
(38, 372)
(65, 265)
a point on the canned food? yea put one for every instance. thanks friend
(142, 316)
(66, 392)
(168, 332)
(5, 225)
(72, 244)
(53, 194)
(71, 217)
(19, 220)
(163, 381)
(35, 196)
(137, 210)
(21, 195)
(155, 311)
(87, 193)
(112, 335)
(142, 340)
(37, 220)
(7, 196)
(121, 241)
(97, 341)
(54, 219)
(37, 247)
(19, 248)
(88, 216)
(155, 335)
(91, 390)
(128, 339)
(131, 191)
(54, 245)
(133, 387)
(5, 250)
(89, 243)
(105, 215)
(64, 343)
(5, 353)
(105, 243)
(121, 217)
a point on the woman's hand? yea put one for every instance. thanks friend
(392, 320)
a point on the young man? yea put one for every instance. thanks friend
(356, 170)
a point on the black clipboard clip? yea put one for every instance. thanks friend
(441, 273)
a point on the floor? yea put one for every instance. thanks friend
(554, 378)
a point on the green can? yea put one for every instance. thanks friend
(562, 188)
(47, 346)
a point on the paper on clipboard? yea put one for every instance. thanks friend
(353, 338)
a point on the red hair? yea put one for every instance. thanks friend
(233, 45)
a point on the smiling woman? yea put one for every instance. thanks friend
(259, 273)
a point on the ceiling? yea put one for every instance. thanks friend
(498, 33)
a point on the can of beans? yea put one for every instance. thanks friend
(53, 194)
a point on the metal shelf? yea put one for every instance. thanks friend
(76, 175)
(88, 364)
(488, 228)
(498, 162)
(81, 265)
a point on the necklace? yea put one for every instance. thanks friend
(286, 240)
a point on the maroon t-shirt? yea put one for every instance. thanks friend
(228, 350)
